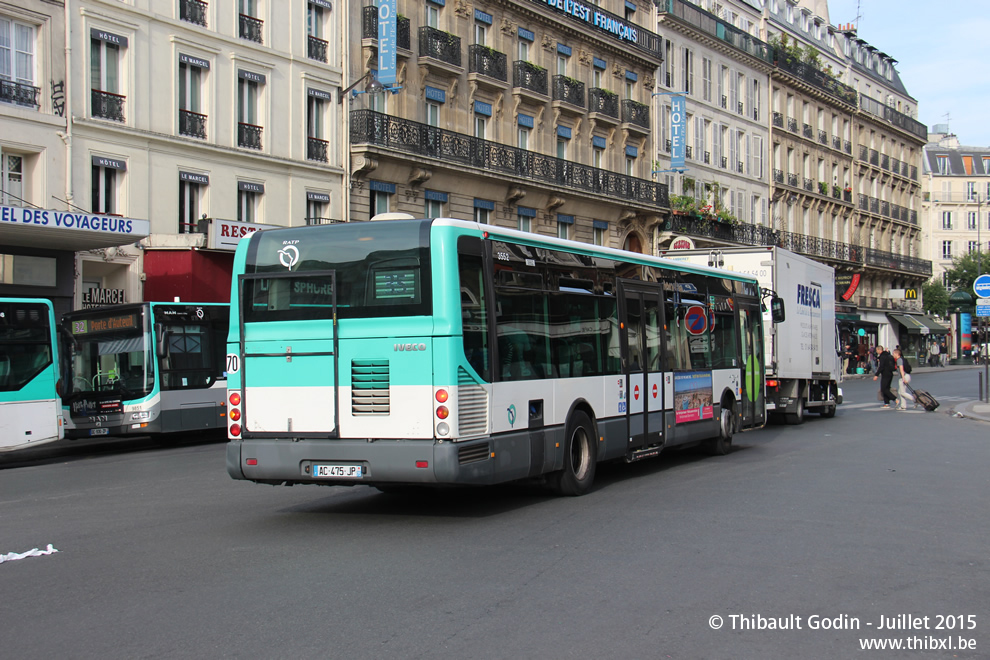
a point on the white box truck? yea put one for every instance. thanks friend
(803, 363)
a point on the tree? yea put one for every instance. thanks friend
(936, 297)
(965, 269)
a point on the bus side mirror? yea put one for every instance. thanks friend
(777, 309)
(161, 341)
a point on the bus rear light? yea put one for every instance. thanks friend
(235, 430)
(235, 414)
(235, 398)
(442, 396)
(442, 412)
(771, 383)
(422, 464)
(251, 461)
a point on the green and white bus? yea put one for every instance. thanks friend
(418, 352)
(30, 406)
(145, 369)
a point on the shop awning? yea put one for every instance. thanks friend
(919, 324)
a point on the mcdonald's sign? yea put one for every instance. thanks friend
(910, 294)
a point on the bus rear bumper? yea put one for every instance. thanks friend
(285, 461)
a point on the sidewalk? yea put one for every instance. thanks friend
(974, 409)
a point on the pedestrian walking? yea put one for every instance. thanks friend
(933, 357)
(885, 372)
(903, 370)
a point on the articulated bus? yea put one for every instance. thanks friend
(145, 369)
(30, 407)
(426, 352)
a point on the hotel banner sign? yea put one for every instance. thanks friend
(87, 222)
(607, 23)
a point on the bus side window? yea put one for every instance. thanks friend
(474, 314)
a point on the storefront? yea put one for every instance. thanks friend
(916, 333)
(38, 257)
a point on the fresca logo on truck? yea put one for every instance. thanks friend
(809, 296)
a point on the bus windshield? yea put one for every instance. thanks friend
(112, 354)
(380, 269)
(25, 343)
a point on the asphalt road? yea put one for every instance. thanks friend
(872, 514)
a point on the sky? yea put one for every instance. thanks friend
(943, 56)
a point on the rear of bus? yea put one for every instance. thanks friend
(30, 405)
(344, 355)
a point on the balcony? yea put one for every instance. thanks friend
(792, 125)
(528, 77)
(808, 131)
(249, 136)
(778, 120)
(369, 27)
(874, 157)
(440, 47)
(809, 184)
(891, 261)
(847, 147)
(603, 103)
(740, 109)
(192, 124)
(822, 137)
(107, 105)
(706, 22)
(895, 117)
(778, 176)
(885, 161)
(864, 153)
(457, 150)
(323, 221)
(316, 149)
(487, 62)
(725, 102)
(21, 94)
(816, 78)
(193, 11)
(316, 49)
(792, 180)
(708, 158)
(568, 90)
(636, 114)
(725, 162)
(250, 28)
(688, 152)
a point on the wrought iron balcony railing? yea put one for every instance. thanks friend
(778, 176)
(529, 76)
(458, 150)
(809, 184)
(895, 117)
(778, 120)
(603, 102)
(792, 125)
(369, 27)
(192, 124)
(317, 149)
(809, 74)
(249, 135)
(107, 105)
(808, 131)
(688, 152)
(568, 90)
(725, 162)
(864, 153)
(439, 45)
(847, 147)
(874, 157)
(822, 137)
(487, 62)
(837, 143)
(725, 101)
(193, 11)
(792, 180)
(885, 161)
(317, 49)
(20, 94)
(708, 158)
(707, 22)
(250, 28)
(636, 113)
(891, 261)
(323, 221)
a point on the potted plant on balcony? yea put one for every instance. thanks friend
(822, 187)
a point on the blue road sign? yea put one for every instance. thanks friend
(982, 286)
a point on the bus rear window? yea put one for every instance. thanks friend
(378, 269)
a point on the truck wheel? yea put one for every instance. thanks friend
(580, 457)
(797, 417)
(828, 411)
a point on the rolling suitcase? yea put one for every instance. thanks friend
(925, 399)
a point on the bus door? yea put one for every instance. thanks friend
(640, 326)
(288, 349)
(753, 366)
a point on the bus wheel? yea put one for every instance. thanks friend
(722, 444)
(580, 456)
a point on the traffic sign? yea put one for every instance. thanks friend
(983, 307)
(696, 320)
(982, 286)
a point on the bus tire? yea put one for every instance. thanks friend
(721, 444)
(580, 457)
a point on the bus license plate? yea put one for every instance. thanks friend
(337, 471)
(99, 431)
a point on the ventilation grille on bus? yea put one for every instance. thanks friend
(472, 405)
(369, 387)
(472, 453)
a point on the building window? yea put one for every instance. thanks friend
(630, 166)
(482, 215)
(971, 220)
(317, 47)
(192, 121)
(480, 33)
(12, 181)
(480, 126)
(970, 191)
(946, 249)
(561, 148)
(523, 138)
(946, 219)
(17, 63)
(106, 100)
(525, 216)
(601, 232)
(104, 190)
(432, 15)
(563, 230)
(706, 79)
(317, 147)
(248, 130)
(524, 50)
(598, 157)
(247, 205)
(379, 202)
(249, 24)
(432, 113)
(972, 246)
(189, 196)
(688, 83)
(434, 208)
(943, 164)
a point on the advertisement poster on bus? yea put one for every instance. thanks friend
(692, 397)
